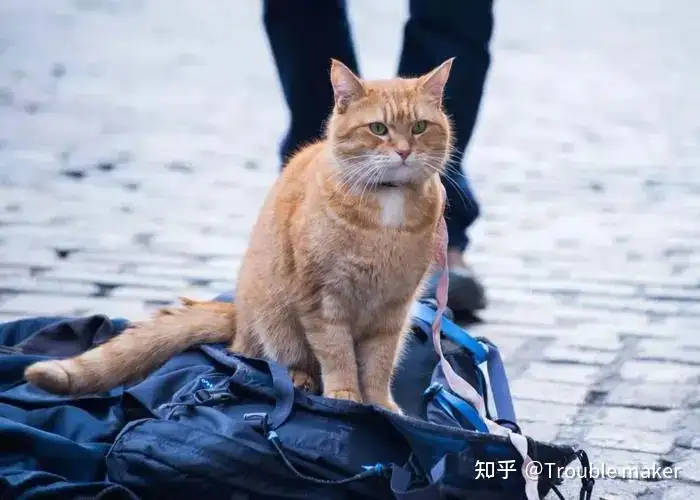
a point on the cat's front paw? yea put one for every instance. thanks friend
(391, 406)
(344, 394)
(302, 380)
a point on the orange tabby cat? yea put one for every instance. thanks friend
(335, 260)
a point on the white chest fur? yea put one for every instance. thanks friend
(391, 203)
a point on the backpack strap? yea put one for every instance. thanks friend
(284, 395)
(460, 386)
(448, 401)
(483, 350)
(498, 380)
(426, 315)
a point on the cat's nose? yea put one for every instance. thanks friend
(403, 153)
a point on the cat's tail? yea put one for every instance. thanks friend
(139, 350)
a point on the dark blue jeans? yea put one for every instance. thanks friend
(305, 34)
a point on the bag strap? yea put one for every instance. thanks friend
(498, 380)
(483, 350)
(447, 400)
(456, 383)
(284, 395)
(426, 314)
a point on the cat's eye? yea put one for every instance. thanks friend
(378, 128)
(419, 127)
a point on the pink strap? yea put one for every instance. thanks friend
(456, 383)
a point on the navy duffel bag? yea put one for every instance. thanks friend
(236, 428)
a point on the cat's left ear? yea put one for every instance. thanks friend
(433, 83)
(346, 85)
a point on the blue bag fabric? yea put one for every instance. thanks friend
(209, 422)
(55, 446)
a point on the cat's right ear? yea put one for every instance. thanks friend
(346, 86)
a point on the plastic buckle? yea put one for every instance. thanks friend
(201, 396)
(432, 390)
(206, 398)
(257, 421)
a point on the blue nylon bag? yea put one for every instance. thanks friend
(209, 422)
(235, 427)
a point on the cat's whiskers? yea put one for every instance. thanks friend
(347, 175)
(441, 172)
(359, 180)
(372, 170)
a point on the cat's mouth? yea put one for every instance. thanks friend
(396, 176)
(387, 185)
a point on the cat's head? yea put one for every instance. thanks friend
(389, 131)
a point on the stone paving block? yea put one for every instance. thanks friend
(131, 310)
(661, 372)
(659, 421)
(95, 268)
(671, 294)
(586, 339)
(635, 305)
(688, 429)
(556, 392)
(500, 297)
(157, 295)
(7, 273)
(42, 286)
(604, 489)
(569, 354)
(540, 431)
(556, 372)
(583, 288)
(17, 257)
(649, 395)
(679, 491)
(659, 350)
(189, 272)
(607, 489)
(621, 490)
(160, 295)
(520, 315)
(116, 279)
(630, 438)
(37, 304)
(132, 257)
(198, 244)
(508, 345)
(529, 331)
(539, 411)
(689, 468)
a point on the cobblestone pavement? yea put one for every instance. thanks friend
(137, 139)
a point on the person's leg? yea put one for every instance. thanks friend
(304, 35)
(435, 31)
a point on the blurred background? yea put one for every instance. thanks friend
(138, 139)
